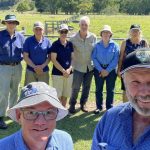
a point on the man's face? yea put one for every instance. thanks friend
(84, 26)
(137, 82)
(38, 32)
(11, 25)
(39, 129)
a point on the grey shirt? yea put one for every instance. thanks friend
(82, 51)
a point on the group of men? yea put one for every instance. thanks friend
(124, 127)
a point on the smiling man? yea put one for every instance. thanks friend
(127, 126)
(37, 111)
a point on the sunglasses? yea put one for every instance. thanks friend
(64, 32)
(11, 22)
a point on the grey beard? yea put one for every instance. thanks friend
(133, 101)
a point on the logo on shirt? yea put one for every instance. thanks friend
(143, 56)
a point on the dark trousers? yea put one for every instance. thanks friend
(84, 79)
(110, 85)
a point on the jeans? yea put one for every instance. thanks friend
(10, 77)
(110, 85)
(84, 79)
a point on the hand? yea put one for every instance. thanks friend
(104, 73)
(38, 69)
(65, 73)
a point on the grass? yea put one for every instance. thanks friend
(81, 125)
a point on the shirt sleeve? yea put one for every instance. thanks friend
(95, 61)
(49, 46)
(71, 47)
(26, 46)
(53, 48)
(115, 59)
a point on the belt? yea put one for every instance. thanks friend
(10, 64)
(104, 65)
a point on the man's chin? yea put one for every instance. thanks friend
(141, 109)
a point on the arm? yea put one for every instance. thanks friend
(115, 59)
(95, 61)
(122, 50)
(70, 68)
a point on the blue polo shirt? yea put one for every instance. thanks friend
(11, 48)
(63, 55)
(59, 140)
(38, 51)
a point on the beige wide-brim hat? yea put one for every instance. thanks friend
(36, 93)
(106, 28)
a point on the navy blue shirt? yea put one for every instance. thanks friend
(11, 48)
(38, 51)
(63, 55)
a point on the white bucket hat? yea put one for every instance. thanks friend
(63, 27)
(35, 93)
(106, 28)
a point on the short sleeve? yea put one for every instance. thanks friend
(26, 46)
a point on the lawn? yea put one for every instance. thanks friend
(81, 125)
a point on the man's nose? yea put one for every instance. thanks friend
(40, 119)
(144, 89)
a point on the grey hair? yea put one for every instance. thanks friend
(86, 19)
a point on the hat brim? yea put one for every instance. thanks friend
(38, 27)
(4, 21)
(135, 66)
(106, 30)
(135, 28)
(64, 29)
(37, 99)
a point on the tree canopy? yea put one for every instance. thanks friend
(86, 6)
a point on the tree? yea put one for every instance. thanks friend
(85, 7)
(23, 7)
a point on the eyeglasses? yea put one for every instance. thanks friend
(63, 32)
(32, 115)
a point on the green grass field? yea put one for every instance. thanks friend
(81, 125)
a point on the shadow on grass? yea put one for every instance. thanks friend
(81, 125)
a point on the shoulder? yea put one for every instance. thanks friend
(61, 134)
(92, 35)
(8, 142)
(114, 113)
(30, 38)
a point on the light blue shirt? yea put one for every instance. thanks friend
(114, 131)
(59, 140)
(105, 55)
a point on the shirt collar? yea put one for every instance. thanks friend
(19, 142)
(37, 41)
(60, 42)
(88, 35)
(7, 33)
(51, 143)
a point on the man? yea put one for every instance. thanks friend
(37, 111)
(83, 42)
(36, 54)
(11, 45)
(127, 127)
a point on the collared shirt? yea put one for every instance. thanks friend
(38, 51)
(63, 55)
(82, 51)
(59, 140)
(11, 48)
(105, 55)
(114, 131)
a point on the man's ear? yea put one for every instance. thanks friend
(18, 115)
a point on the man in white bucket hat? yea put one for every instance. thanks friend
(37, 111)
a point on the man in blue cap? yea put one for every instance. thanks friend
(11, 45)
(127, 126)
